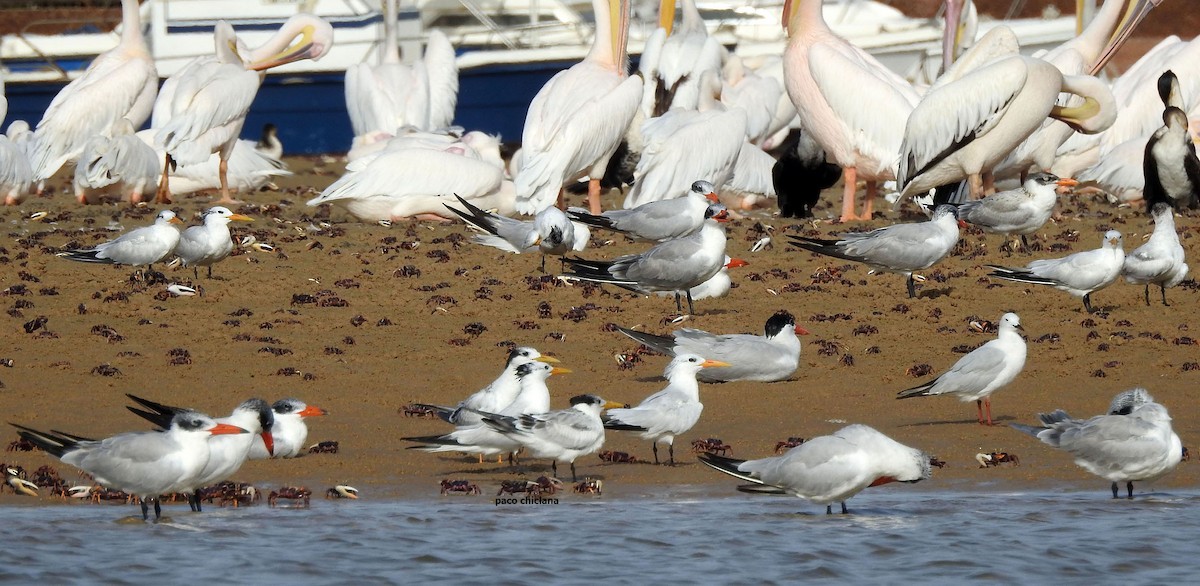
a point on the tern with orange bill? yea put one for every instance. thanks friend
(660, 220)
(138, 247)
(289, 432)
(209, 243)
(1021, 211)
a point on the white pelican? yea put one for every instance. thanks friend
(757, 95)
(577, 119)
(119, 158)
(390, 94)
(981, 372)
(966, 127)
(119, 83)
(670, 161)
(15, 174)
(687, 54)
(853, 105)
(417, 176)
(201, 108)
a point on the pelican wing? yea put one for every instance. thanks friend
(442, 72)
(950, 117)
(416, 171)
(670, 161)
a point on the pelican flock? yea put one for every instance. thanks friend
(694, 124)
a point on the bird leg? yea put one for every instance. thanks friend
(691, 308)
(671, 451)
(844, 510)
(1115, 490)
(554, 468)
(1148, 295)
(1164, 294)
(573, 472)
(594, 196)
(869, 202)
(678, 303)
(987, 403)
(562, 204)
(146, 507)
(850, 187)
(989, 183)
(223, 171)
(194, 500)
(975, 183)
(828, 509)
(912, 287)
(1087, 303)
(979, 408)
(163, 195)
(654, 446)
(1024, 244)
(1129, 487)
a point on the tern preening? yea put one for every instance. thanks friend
(1079, 274)
(1136, 443)
(899, 248)
(659, 220)
(829, 468)
(770, 357)
(497, 395)
(550, 231)
(138, 247)
(669, 412)
(144, 464)
(982, 371)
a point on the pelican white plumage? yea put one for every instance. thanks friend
(122, 158)
(757, 95)
(15, 174)
(119, 84)
(670, 161)
(391, 94)
(201, 109)
(852, 105)
(964, 128)
(576, 121)
(687, 54)
(417, 176)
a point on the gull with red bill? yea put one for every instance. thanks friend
(144, 464)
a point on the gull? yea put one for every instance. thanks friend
(479, 438)
(669, 412)
(770, 357)
(561, 435)
(497, 395)
(140, 246)
(550, 231)
(675, 265)
(1021, 211)
(1137, 445)
(716, 286)
(1160, 259)
(900, 248)
(658, 220)
(982, 371)
(1079, 274)
(289, 431)
(226, 453)
(209, 243)
(829, 468)
(144, 464)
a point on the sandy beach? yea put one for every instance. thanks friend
(438, 333)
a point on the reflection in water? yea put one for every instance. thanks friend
(896, 535)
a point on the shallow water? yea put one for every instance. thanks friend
(891, 536)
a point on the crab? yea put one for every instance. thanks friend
(710, 445)
(237, 494)
(590, 486)
(935, 462)
(292, 493)
(107, 494)
(788, 444)
(535, 488)
(21, 445)
(996, 459)
(619, 458)
(418, 411)
(463, 486)
(323, 448)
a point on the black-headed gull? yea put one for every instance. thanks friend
(1021, 211)
(1079, 274)
(829, 468)
(982, 371)
(899, 248)
(1160, 259)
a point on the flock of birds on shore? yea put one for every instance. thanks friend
(990, 107)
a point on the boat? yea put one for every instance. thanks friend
(507, 49)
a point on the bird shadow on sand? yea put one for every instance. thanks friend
(934, 293)
(995, 420)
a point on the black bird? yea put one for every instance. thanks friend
(1170, 164)
(800, 174)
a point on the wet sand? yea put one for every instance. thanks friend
(401, 339)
